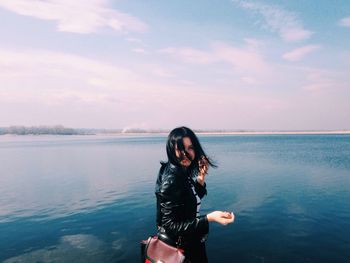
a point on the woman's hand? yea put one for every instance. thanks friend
(203, 169)
(221, 217)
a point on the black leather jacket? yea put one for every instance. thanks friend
(177, 204)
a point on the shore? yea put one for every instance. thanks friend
(275, 132)
(234, 133)
(197, 132)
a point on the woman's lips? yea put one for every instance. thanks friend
(186, 161)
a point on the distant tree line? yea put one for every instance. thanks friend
(39, 130)
(61, 130)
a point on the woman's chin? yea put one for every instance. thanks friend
(186, 163)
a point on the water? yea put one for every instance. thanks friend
(90, 198)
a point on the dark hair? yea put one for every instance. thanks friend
(175, 138)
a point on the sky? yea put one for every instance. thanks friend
(228, 64)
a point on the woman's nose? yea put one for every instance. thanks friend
(186, 154)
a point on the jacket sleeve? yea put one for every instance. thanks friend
(201, 190)
(172, 206)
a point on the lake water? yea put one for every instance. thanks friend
(91, 198)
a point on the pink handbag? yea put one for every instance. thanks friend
(155, 250)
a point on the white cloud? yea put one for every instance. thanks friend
(346, 57)
(253, 43)
(134, 40)
(190, 55)
(139, 50)
(242, 58)
(54, 78)
(276, 19)
(49, 87)
(43, 87)
(345, 22)
(47, 63)
(77, 16)
(245, 58)
(299, 53)
(249, 80)
(162, 72)
(318, 80)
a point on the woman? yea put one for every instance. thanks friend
(179, 189)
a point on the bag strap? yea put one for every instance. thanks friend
(162, 235)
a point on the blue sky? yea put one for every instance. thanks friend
(263, 65)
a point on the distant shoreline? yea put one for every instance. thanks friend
(275, 132)
(198, 133)
(235, 133)
(64, 131)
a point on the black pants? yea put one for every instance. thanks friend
(195, 252)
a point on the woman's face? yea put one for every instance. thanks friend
(188, 155)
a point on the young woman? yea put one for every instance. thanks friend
(180, 187)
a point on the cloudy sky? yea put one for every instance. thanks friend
(228, 64)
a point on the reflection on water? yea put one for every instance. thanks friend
(90, 198)
(73, 248)
(60, 178)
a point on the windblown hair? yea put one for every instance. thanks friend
(175, 138)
